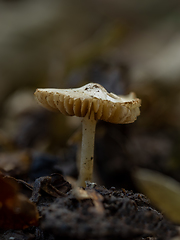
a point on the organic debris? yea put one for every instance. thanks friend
(55, 186)
(81, 194)
(125, 216)
(93, 212)
(16, 211)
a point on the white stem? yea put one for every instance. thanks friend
(87, 150)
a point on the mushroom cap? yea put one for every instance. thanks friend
(90, 98)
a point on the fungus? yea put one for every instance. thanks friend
(91, 102)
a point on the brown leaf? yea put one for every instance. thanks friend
(16, 211)
(81, 194)
(54, 185)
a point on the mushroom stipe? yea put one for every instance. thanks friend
(91, 102)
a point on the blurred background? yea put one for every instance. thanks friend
(123, 45)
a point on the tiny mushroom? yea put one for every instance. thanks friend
(91, 102)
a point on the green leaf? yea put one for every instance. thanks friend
(163, 191)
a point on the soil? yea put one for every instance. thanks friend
(91, 213)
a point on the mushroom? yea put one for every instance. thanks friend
(91, 102)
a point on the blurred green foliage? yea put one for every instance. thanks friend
(163, 191)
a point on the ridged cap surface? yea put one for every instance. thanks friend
(91, 97)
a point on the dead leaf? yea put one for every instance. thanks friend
(54, 185)
(16, 211)
(81, 194)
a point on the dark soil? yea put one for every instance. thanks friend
(125, 216)
(94, 213)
